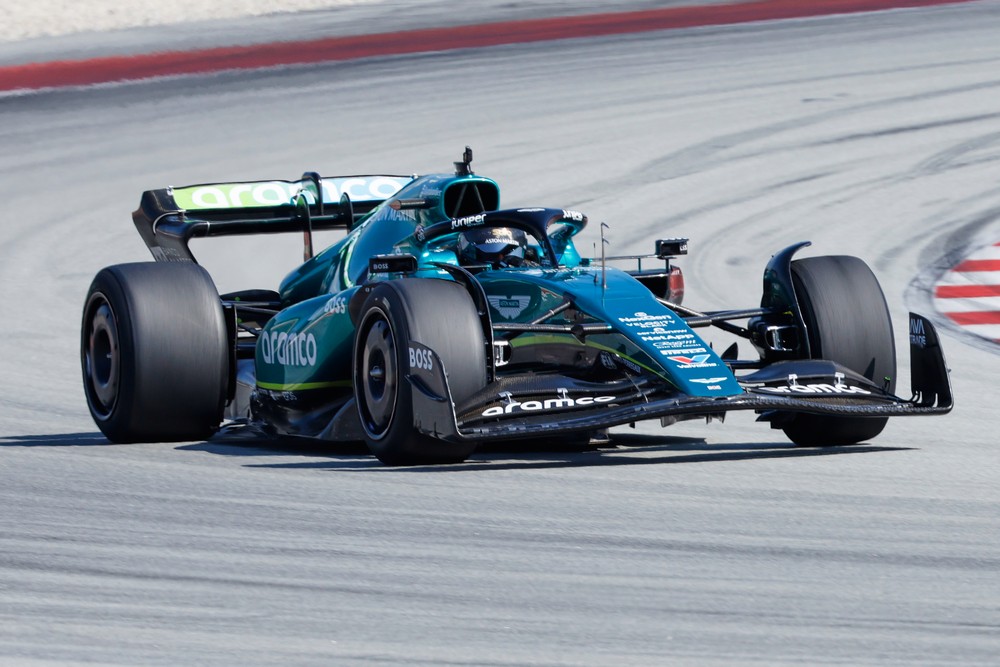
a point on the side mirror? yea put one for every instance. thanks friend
(667, 248)
(347, 210)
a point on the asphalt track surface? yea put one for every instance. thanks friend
(873, 135)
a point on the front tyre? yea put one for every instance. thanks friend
(439, 314)
(848, 322)
(154, 353)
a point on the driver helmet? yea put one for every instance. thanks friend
(492, 245)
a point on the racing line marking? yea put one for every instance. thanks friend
(969, 294)
(39, 75)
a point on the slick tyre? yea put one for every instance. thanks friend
(154, 353)
(439, 314)
(848, 322)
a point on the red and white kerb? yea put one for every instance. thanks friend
(969, 294)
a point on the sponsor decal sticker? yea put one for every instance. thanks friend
(712, 384)
(615, 362)
(421, 358)
(162, 254)
(657, 328)
(671, 346)
(678, 339)
(406, 217)
(815, 389)
(288, 350)
(688, 352)
(641, 320)
(509, 307)
(277, 193)
(561, 403)
(695, 360)
(468, 221)
(918, 336)
(337, 305)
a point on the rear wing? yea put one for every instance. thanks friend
(167, 219)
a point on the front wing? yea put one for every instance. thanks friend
(810, 386)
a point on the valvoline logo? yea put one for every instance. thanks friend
(693, 360)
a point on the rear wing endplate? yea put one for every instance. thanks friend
(168, 218)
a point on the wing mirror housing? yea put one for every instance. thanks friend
(667, 248)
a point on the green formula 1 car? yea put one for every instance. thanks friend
(441, 321)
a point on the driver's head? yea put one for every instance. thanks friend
(492, 245)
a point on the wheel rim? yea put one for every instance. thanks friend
(377, 376)
(101, 357)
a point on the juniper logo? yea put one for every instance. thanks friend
(468, 221)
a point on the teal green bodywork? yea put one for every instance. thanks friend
(648, 335)
(308, 346)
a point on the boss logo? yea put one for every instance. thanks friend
(421, 359)
(336, 305)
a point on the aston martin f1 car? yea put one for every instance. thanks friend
(441, 321)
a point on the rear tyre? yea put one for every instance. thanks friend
(154, 353)
(848, 321)
(439, 314)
